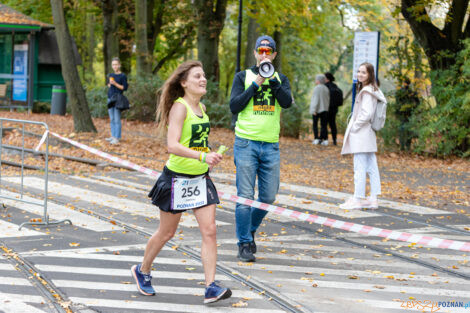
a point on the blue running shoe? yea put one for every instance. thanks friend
(143, 281)
(215, 293)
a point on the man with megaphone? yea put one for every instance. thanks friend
(257, 96)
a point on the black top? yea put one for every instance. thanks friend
(240, 97)
(121, 79)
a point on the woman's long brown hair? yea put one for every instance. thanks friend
(170, 91)
(370, 79)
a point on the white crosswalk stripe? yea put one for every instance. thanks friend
(11, 230)
(56, 211)
(165, 307)
(144, 208)
(76, 284)
(17, 302)
(93, 285)
(288, 263)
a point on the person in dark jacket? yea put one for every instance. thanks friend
(336, 100)
(258, 102)
(117, 83)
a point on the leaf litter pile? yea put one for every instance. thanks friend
(440, 183)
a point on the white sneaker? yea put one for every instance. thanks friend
(374, 204)
(109, 138)
(354, 204)
(114, 141)
(316, 142)
(324, 143)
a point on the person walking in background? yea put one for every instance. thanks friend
(319, 110)
(360, 140)
(336, 100)
(117, 83)
(185, 182)
(258, 102)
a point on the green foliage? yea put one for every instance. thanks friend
(37, 9)
(291, 120)
(443, 129)
(217, 106)
(41, 107)
(142, 95)
(97, 101)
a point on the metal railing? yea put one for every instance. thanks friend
(45, 220)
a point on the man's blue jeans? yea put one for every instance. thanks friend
(115, 122)
(254, 158)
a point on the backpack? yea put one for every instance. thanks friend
(378, 120)
(336, 96)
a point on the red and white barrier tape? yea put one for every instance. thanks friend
(356, 228)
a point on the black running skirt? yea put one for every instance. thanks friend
(161, 191)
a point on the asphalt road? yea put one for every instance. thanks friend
(300, 267)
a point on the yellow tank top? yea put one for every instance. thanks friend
(194, 135)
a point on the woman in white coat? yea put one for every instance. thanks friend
(360, 140)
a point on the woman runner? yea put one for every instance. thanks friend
(185, 182)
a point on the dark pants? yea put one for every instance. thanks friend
(323, 117)
(332, 123)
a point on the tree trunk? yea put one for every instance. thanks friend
(91, 42)
(110, 38)
(126, 32)
(142, 57)
(211, 19)
(76, 95)
(278, 60)
(440, 46)
(251, 36)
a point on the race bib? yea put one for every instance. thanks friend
(188, 193)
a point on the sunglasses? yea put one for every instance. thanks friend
(266, 50)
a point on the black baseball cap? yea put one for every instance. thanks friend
(271, 44)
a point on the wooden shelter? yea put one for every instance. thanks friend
(29, 60)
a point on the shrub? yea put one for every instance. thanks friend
(142, 95)
(97, 98)
(217, 107)
(291, 120)
(443, 128)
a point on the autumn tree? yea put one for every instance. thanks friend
(211, 17)
(81, 115)
(441, 44)
(110, 26)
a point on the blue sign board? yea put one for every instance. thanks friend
(366, 49)
(20, 72)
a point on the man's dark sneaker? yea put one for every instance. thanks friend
(244, 253)
(143, 281)
(215, 293)
(253, 243)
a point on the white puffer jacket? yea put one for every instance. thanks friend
(359, 136)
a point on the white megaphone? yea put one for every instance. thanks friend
(266, 69)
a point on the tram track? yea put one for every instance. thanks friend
(407, 218)
(56, 300)
(262, 289)
(375, 248)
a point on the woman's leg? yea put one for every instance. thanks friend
(374, 175)
(205, 217)
(166, 230)
(111, 121)
(360, 163)
(117, 121)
